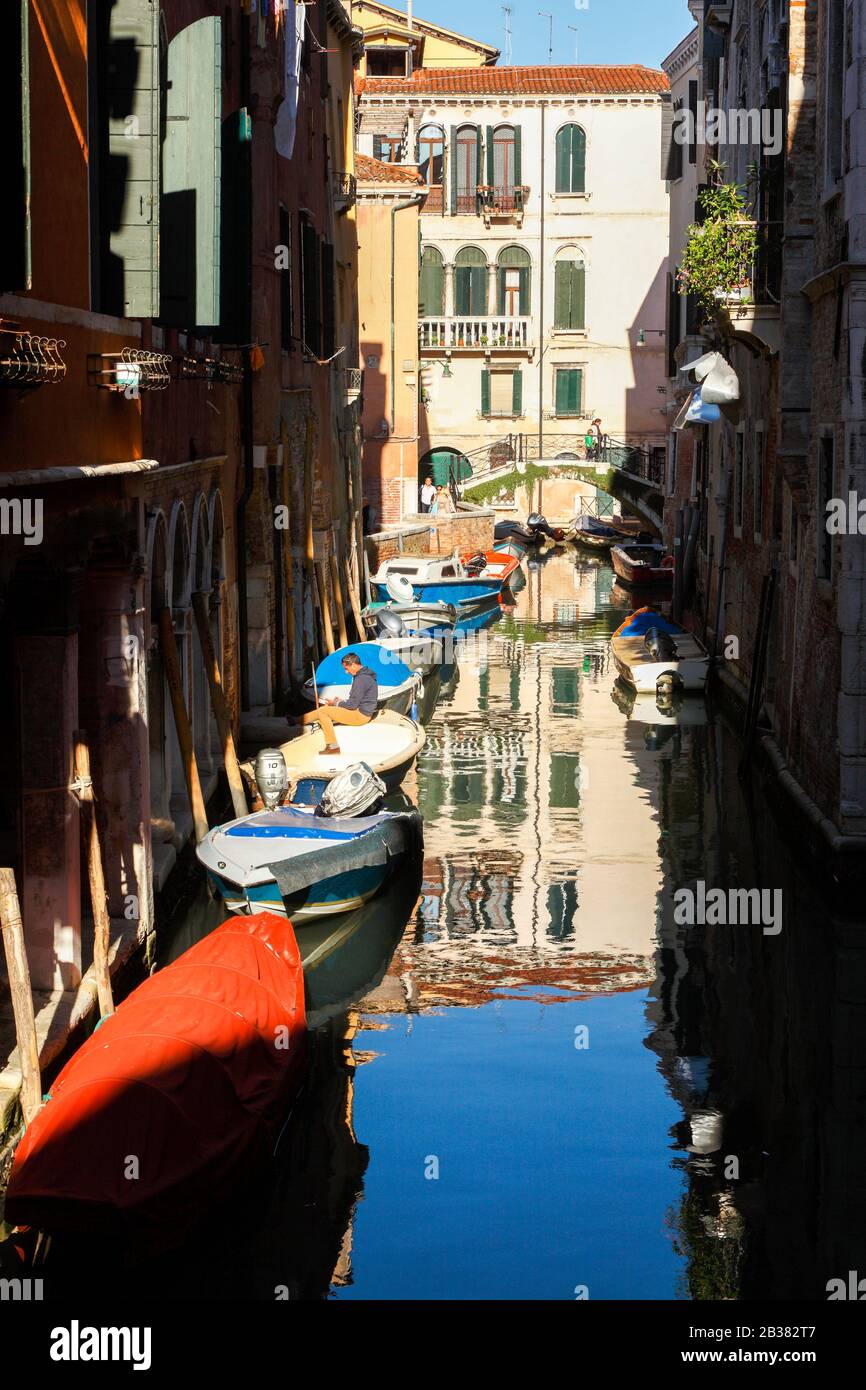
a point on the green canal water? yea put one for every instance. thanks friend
(526, 1079)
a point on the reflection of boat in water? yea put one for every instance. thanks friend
(348, 956)
(648, 707)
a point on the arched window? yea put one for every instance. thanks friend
(569, 306)
(431, 289)
(466, 171)
(431, 154)
(571, 160)
(513, 282)
(505, 172)
(470, 281)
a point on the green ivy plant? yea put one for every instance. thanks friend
(720, 252)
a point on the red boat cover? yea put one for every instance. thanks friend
(185, 1085)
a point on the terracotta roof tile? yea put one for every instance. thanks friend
(369, 170)
(524, 81)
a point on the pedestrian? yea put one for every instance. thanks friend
(444, 503)
(358, 709)
(428, 494)
(595, 430)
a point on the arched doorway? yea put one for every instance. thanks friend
(444, 466)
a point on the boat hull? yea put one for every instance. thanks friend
(687, 670)
(464, 594)
(638, 573)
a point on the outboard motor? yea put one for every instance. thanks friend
(475, 564)
(535, 520)
(272, 776)
(389, 624)
(660, 644)
(355, 792)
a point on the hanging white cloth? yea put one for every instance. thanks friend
(719, 382)
(286, 123)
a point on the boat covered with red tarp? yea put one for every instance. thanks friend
(176, 1096)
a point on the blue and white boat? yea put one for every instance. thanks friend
(398, 686)
(305, 866)
(432, 579)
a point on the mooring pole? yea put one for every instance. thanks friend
(22, 997)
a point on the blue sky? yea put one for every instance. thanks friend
(610, 31)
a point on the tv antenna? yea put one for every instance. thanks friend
(543, 14)
(574, 29)
(508, 11)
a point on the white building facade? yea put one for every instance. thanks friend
(544, 253)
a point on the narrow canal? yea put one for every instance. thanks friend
(526, 1080)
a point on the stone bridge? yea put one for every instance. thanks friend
(627, 475)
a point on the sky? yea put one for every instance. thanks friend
(610, 31)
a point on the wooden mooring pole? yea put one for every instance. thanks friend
(96, 876)
(288, 560)
(22, 998)
(220, 705)
(168, 647)
(337, 588)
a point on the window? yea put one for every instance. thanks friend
(758, 480)
(286, 307)
(388, 148)
(431, 154)
(672, 154)
(470, 281)
(569, 295)
(466, 155)
(14, 102)
(825, 490)
(329, 300)
(504, 160)
(311, 289)
(431, 287)
(385, 62)
(501, 393)
(571, 160)
(569, 391)
(739, 480)
(513, 282)
(834, 76)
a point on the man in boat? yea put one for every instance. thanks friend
(358, 709)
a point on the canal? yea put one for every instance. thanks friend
(526, 1079)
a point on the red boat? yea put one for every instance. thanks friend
(176, 1097)
(640, 565)
(491, 564)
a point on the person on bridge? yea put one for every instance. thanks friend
(358, 709)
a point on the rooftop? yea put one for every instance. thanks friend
(523, 81)
(369, 170)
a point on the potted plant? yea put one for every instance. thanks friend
(720, 251)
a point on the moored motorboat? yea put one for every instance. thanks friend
(418, 617)
(509, 546)
(389, 745)
(535, 531)
(433, 578)
(597, 535)
(419, 645)
(294, 861)
(184, 1080)
(654, 653)
(641, 565)
(398, 685)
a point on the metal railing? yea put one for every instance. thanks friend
(29, 359)
(344, 188)
(502, 201)
(471, 333)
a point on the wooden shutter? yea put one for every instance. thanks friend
(432, 285)
(563, 160)
(501, 285)
(485, 392)
(524, 290)
(517, 393)
(329, 300)
(518, 155)
(561, 391)
(578, 296)
(491, 170)
(461, 289)
(15, 267)
(562, 295)
(286, 325)
(478, 290)
(668, 142)
(452, 153)
(235, 227)
(129, 195)
(479, 157)
(578, 160)
(311, 285)
(190, 201)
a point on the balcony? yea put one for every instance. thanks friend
(464, 334)
(344, 188)
(353, 384)
(753, 310)
(502, 204)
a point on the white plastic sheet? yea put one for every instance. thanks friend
(286, 123)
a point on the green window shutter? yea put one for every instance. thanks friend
(485, 392)
(576, 390)
(563, 159)
(479, 158)
(517, 393)
(329, 300)
(461, 289)
(500, 289)
(524, 290)
(432, 285)
(452, 153)
(578, 296)
(561, 391)
(129, 196)
(562, 295)
(518, 156)
(491, 177)
(190, 200)
(478, 290)
(578, 160)
(15, 268)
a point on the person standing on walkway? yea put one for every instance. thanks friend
(428, 493)
(358, 709)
